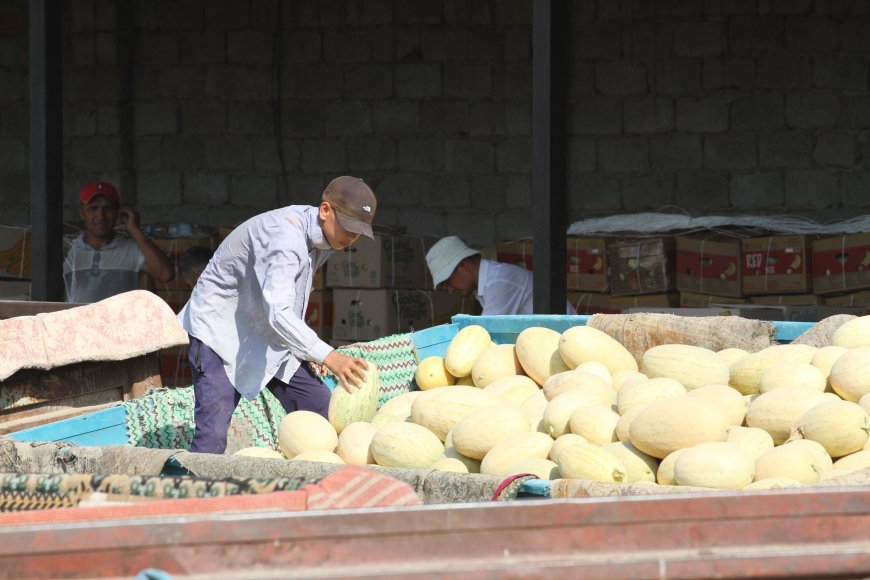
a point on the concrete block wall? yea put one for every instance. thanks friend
(714, 106)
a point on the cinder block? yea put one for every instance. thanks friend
(812, 110)
(420, 12)
(97, 154)
(391, 117)
(596, 116)
(183, 82)
(319, 156)
(266, 154)
(369, 81)
(855, 185)
(785, 149)
(157, 49)
(518, 192)
(372, 154)
(837, 149)
(839, 73)
(421, 154)
(205, 47)
(488, 192)
(254, 190)
(732, 73)
(250, 119)
(319, 81)
(236, 82)
(677, 76)
(699, 39)
(370, 13)
(206, 188)
(758, 113)
(620, 78)
(445, 117)
(855, 111)
(649, 115)
(229, 153)
(203, 118)
(467, 81)
(784, 72)
(675, 151)
(512, 83)
(600, 39)
(812, 34)
(759, 190)
(321, 13)
(303, 46)
(518, 118)
(703, 191)
(703, 115)
(404, 189)
(155, 118)
(449, 191)
(854, 37)
(302, 118)
(512, 12)
(581, 154)
(730, 151)
(593, 192)
(462, 12)
(513, 225)
(417, 81)
(623, 154)
(160, 188)
(471, 228)
(347, 119)
(755, 33)
(347, 45)
(473, 156)
(13, 155)
(249, 47)
(582, 81)
(147, 154)
(649, 191)
(514, 155)
(812, 189)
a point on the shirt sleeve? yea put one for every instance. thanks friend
(280, 275)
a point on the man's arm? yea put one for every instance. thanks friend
(157, 264)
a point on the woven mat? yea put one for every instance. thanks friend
(396, 359)
(32, 491)
(163, 419)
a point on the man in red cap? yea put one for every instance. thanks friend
(245, 316)
(98, 263)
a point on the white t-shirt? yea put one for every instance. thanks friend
(91, 274)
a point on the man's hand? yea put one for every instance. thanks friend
(350, 371)
(129, 218)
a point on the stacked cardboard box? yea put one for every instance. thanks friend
(15, 256)
(382, 287)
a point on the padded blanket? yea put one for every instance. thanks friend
(117, 328)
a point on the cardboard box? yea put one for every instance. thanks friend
(855, 299)
(778, 299)
(590, 303)
(14, 290)
(709, 265)
(587, 264)
(776, 265)
(15, 252)
(644, 266)
(756, 312)
(319, 282)
(318, 315)
(519, 253)
(361, 314)
(815, 313)
(644, 302)
(841, 264)
(695, 300)
(388, 261)
(174, 367)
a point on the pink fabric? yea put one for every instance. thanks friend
(117, 328)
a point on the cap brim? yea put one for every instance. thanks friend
(354, 225)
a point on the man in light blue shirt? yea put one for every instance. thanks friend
(245, 316)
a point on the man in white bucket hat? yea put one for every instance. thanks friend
(500, 288)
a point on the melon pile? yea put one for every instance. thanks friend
(577, 405)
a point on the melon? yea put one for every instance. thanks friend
(302, 431)
(729, 355)
(538, 350)
(666, 425)
(512, 390)
(642, 393)
(542, 468)
(480, 430)
(450, 464)
(432, 373)
(494, 363)
(403, 444)
(571, 380)
(513, 448)
(590, 462)
(850, 374)
(360, 404)
(787, 374)
(776, 410)
(464, 349)
(841, 427)
(726, 399)
(580, 344)
(754, 441)
(596, 423)
(562, 442)
(318, 455)
(638, 465)
(717, 465)
(439, 410)
(691, 366)
(853, 334)
(354, 444)
(794, 461)
(259, 452)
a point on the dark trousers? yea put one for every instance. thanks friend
(216, 398)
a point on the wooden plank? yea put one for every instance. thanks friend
(774, 534)
(106, 427)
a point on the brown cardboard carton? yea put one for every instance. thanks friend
(645, 301)
(519, 253)
(695, 300)
(362, 314)
(318, 315)
(841, 264)
(853, 300)
(644, 266)
(175, 367)
(786, 299)
(709, 265)
(776, 265)
(587, 264)
(590, 302)
(388, 261)
(15, 252)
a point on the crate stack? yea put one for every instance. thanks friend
(776, 277)
(382, 287)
